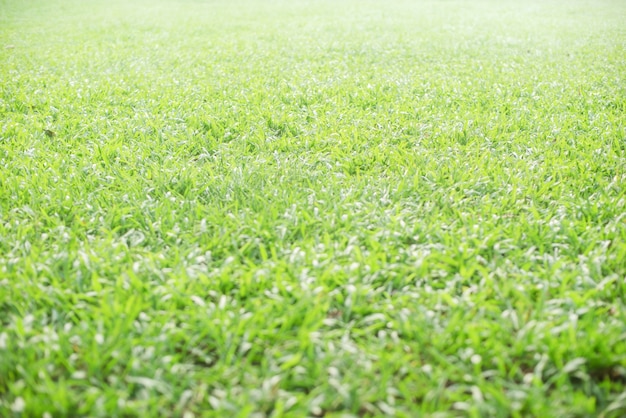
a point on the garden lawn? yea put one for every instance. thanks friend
(312, 208)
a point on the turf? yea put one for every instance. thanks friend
(312, 208)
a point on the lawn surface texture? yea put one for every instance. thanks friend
(312, 208)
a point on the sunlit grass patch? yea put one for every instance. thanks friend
(312, 208)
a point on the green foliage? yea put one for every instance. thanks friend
(299, 208)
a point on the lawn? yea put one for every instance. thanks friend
(312, 208)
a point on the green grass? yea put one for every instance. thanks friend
(312, 208)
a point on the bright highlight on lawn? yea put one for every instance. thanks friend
(312, 208)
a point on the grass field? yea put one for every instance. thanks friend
(312, 208)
